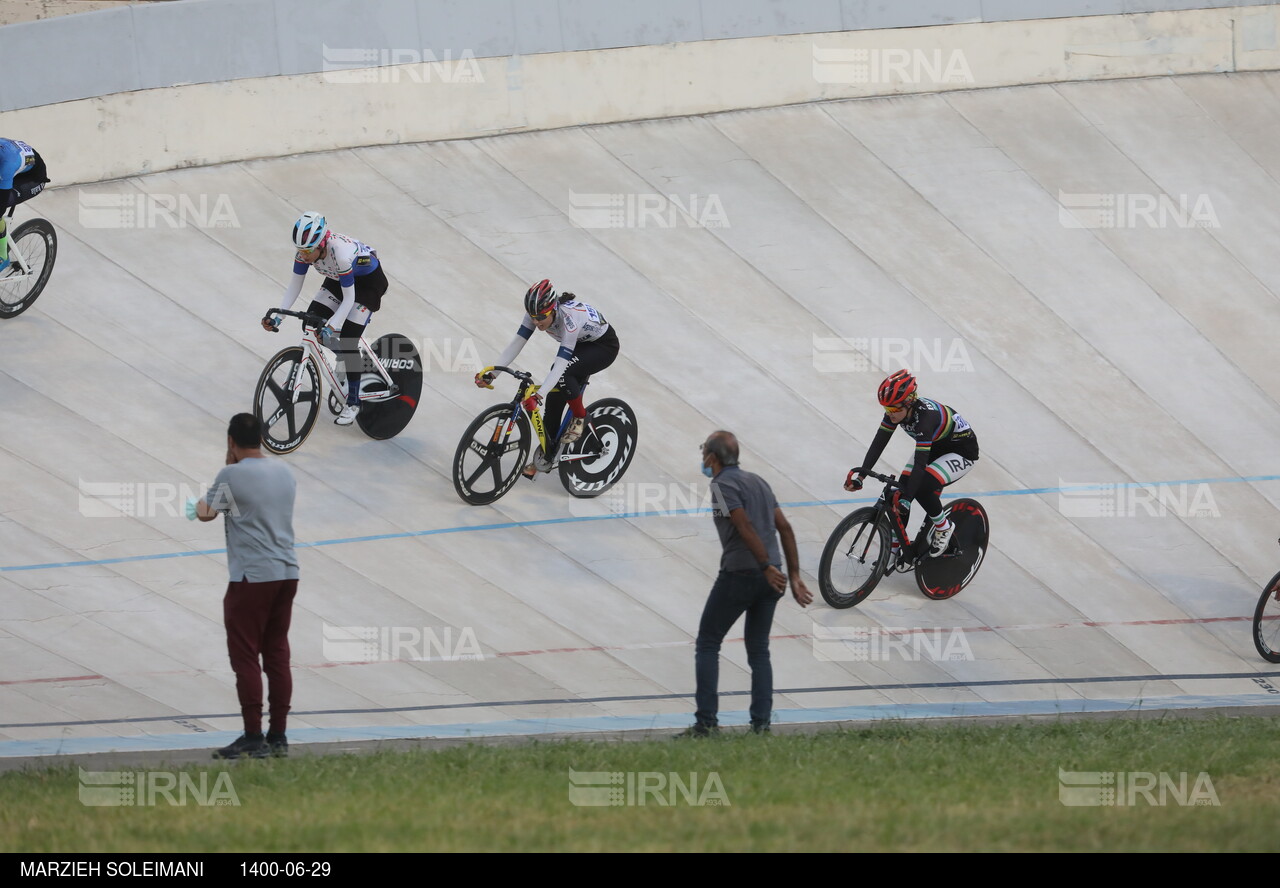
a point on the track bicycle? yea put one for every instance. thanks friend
(33, 248)
(495, 448)
(292, 385)
(860, 551)
(1266, 621)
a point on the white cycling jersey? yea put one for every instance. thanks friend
(574, 322)
(343, 259)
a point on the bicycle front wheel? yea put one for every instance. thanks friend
(854, 559)
(491, 455)
(1266, 622)
(287, 420)
(38, 244)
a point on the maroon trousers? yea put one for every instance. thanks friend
(257, 619)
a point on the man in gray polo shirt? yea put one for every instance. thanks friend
(256, 495)
(750, 581)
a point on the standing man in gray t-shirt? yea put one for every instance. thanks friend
(256, 495)
(750, 582)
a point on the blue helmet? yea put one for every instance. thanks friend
(309, 231)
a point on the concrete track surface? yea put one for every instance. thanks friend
(808, 252)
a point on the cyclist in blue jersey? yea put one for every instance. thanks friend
(352, 290)
(946, 449)
(22, 177)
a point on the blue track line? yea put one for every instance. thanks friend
(1037, 491)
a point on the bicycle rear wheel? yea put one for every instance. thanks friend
(942, 577)
(491, 455)
(383, 415)
(854, 559)
(38, 244)
(598, 460)
(1266, 622)
(286, 422)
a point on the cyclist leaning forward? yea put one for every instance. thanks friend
(588, 344)
(945, 445)
(354, 284)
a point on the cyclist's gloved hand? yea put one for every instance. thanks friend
(484, 380)
(326, 334)
(270, 323)
(852, 483)
(191, 509)
(531, 403)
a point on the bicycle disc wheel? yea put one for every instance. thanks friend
(491, 455)
(854, 559)
(942, 577)
(597, 460)
(286, 422)
(385, 416)
(1266, 622)
(38, 244)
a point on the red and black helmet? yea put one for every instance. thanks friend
(898, 390)
(540, 299)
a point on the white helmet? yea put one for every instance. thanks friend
(309, 231)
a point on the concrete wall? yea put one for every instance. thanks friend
(284, 101)
(155, 45)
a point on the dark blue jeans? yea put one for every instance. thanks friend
(736, 593)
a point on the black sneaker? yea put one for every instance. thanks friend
(245, 746)
(277, 745)
(760, 727)
(698, 730)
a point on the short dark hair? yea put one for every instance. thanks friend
(245, 430)
(724, 446)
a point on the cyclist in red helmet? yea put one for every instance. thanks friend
(588, 344)
(946, 447)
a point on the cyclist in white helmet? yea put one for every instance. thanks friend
(351, 292)
(588, 344)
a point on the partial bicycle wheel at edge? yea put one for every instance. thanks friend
(38, 244)
(1266, 622)
(285, 422)
(943, 577)
(854, 559)
(491, 455)
(610, 437)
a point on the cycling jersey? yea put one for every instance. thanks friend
(343, 259)
(574, 322)
(15, 158)
(937, 430)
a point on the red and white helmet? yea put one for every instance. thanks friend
(539, 299)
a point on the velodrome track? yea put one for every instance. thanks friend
(1082, 356)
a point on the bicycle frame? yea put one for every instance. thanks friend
(16, 259)
(886, 508)
(311, 348)
(526, 390)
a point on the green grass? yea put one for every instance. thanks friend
(894, 787)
